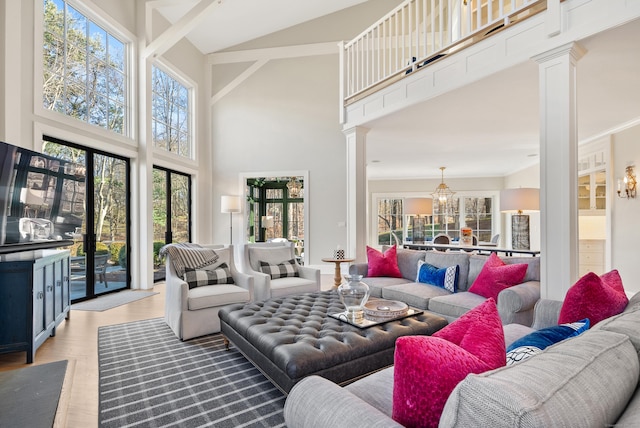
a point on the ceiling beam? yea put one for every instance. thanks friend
(179, 30)
(237, 81)
(297, 51)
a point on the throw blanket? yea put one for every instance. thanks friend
(188, 255)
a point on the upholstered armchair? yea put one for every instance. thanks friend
(193, 312)
(283, 275)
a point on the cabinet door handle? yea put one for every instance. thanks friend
(58, 283)
(40, 295)
(49, 287)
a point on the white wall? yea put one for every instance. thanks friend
(625, 213)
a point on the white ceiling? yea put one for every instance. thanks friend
(487, 129)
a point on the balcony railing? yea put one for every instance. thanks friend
(420, 32)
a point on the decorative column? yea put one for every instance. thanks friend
(558, 170)
(356, 193)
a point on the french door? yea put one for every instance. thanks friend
(100, 253)
(171, 212)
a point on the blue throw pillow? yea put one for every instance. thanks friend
(446, 278)
(537, 341)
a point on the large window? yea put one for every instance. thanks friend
(84, 69)
(171, 114)
(475, 212)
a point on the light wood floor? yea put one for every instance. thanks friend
(76, 340)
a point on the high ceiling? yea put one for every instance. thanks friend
(487, 129)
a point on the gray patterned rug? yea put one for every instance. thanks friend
(149, 378)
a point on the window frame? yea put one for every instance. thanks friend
(113, 28)
(191, 87)
(496, 224)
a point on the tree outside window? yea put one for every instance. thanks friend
(84, 69)
(170, 113)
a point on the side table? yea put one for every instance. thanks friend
(337, 277)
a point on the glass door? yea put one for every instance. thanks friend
(99, 255)
(171, 212)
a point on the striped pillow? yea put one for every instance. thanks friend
(199, 277)
(281, 270)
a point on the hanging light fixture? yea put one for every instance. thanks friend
(443, 193)
(294, 187)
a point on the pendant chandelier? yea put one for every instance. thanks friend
(294, 187)
(443, 193)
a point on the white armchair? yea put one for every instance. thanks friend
(194, 312)
(274, 253)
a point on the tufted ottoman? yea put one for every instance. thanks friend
(291, 337)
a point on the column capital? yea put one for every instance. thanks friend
(573, 49)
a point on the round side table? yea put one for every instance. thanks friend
(337, 277)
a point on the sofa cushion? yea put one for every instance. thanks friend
(413, 293)
(625, 323)
(383, 264)
(536, 342)
(495, 276)
(427, 368)
(444, 259)
(285, 269)
(455, 305)
(446, 277)
(594, 297)
(408, 262)
(210, 296)
(378, 284)
(376, 389)
(199, 277)
(585, 381)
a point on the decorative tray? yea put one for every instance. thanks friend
(370, 321)
(381, 308)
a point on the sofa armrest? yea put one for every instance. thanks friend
(359, 269)
(546, 313)
(245, 281)
(316, 402)
(310, 273)
(515, 304)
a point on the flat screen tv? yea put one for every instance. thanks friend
(42, 200)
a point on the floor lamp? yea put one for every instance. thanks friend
(230, 204)
(518, 201)
(418, 207)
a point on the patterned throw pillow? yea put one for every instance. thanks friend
(536, 342)
(281, 270)
(446, 277)
(199, 277)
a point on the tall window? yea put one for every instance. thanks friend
(389, 221)
(171, 114)
(84, 69)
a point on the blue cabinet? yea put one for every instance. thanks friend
(34, 298)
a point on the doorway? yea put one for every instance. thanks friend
(100, 252)
(171, 213)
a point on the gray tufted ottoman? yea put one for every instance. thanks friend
(291, 337)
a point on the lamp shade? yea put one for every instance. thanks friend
(230, 204)
(267, 221)
(418, 206)
(520, 200)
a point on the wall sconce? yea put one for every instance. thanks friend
(627, 186)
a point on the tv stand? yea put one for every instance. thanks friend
(34, 298)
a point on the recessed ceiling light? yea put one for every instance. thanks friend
(375, 161)
(532, 155)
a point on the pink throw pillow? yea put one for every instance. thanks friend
(594, 297)
(428, 368)
(380, 264)
(495, 276)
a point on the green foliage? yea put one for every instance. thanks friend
(157, 260)
(101, 248)
(122, 256)
(115, 248)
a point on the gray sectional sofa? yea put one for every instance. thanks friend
(515, 304)
(586, 381)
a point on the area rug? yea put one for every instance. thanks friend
(29, 396)
(150, 378)
(112, 300)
